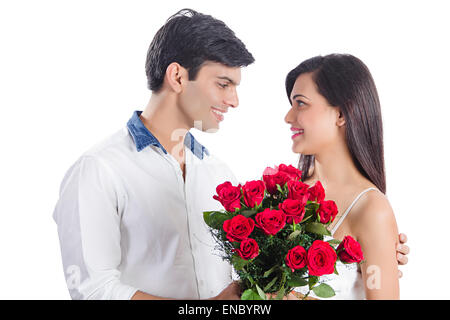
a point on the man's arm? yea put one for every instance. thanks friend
(89, 232)
(231, 292)
(139, 295)
(402, 252)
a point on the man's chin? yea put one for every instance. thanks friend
(209, 128)
(212, 130)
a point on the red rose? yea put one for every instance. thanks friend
(327, 211)
(316, 192)
(321, 258)
(272, 177)
(293, 173)
(349, 251)
(270, 171)
(270, 221)
(294, 209)
(253, 193)
(229, 196)
(249, 249)
(296, 258)
(238, 228)
(297, 189)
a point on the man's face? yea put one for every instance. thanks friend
(205, 100)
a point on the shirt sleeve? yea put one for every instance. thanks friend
(89, 232)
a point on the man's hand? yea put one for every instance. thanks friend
(402, 252)
(232, 292)
(293, 295)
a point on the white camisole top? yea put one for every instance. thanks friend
(348, 285)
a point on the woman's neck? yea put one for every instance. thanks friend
(335, 168)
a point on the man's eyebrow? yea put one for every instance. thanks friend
(228, 79)
(300, 95)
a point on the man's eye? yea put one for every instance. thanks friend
(223, 85)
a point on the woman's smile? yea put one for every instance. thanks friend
(296, 132)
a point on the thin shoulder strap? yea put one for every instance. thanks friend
(349, 208)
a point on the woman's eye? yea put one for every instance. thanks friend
(300, 103)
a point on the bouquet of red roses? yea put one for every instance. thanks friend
(272, 231)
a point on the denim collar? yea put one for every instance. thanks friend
(143, 137)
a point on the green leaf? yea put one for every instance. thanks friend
(252, 282)
(312, 281)
(270, 284)
(250, 294)
(323, 291)
(282, 290)
(268, 272)
(207, 217)
(215, 219)
(279, 188)
(309, 213)
(293, 235)
(317, 228)
(238, 262)
(248, 213)
(306, 219)
(280, 294)
(312, 206)
(297, 282)
(334, 242)
(335, 269)
(261, 292)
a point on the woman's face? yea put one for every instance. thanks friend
(315, 125)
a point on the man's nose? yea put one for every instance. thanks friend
(232, 99)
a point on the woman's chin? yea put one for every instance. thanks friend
(302, 150)
(296, 148)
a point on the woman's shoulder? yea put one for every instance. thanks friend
(372, 213)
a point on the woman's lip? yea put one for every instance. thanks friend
(296, 135)
(295, 129)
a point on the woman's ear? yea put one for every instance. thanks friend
(175, 76)
(340, 120)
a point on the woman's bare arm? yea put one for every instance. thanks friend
(376, 231)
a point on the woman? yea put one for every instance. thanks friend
(337, 129)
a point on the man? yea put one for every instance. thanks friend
(130, 210)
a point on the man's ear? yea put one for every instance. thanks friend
(175, 76)
(340, 120)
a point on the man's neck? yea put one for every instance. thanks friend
(165, 121)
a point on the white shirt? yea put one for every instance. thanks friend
(127, 220)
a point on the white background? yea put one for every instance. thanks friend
(72, 72)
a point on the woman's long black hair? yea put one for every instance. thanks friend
(346, 82)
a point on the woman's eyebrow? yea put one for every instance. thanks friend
(300, 95)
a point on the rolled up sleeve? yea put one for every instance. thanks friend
(88, 223)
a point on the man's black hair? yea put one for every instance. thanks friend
(190, 38)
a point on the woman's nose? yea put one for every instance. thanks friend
(289, 118)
